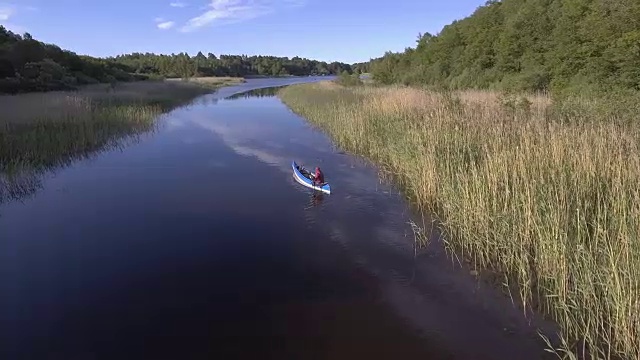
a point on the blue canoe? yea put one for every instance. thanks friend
(304, 177)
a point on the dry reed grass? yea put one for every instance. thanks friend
(42, 131)
(77, 105)
(544, 194)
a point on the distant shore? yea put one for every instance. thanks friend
(212, 82)
(281, 76)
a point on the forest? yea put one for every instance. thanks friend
(28, 65)
(526, 45)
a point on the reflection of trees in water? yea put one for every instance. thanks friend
(264, 92)
(206, 100)
(35, 150)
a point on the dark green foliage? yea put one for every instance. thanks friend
(531, 45)
(182, 65)
(30, 65)
(347, 79)
(361, 68)
(263, 92)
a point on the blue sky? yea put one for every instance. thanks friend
(328, 30)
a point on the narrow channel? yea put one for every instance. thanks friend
(194, 241)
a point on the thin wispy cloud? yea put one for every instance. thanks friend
(6, 12)
(165, 25)
(294, 3)
(232, 11)
(177, 4)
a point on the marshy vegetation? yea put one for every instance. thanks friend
(72, 105)
(43, 131)
(543, 192)
(542, 189)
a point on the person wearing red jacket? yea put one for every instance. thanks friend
(318, 178)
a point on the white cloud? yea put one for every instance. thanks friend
(231, 11)
(178, 4)
(165, 25)
(6, 12)
(240, 139)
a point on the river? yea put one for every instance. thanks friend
(196, 242)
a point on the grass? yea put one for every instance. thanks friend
(545, 194)
(41, 131)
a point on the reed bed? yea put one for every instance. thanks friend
(545, 194)
(79, 105)
(42, 131)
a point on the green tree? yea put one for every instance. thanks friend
(28, 65)
(525, 45)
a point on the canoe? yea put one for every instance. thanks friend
(304, 177)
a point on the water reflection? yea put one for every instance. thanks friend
(19, 186)
(30, 151)
(199, 239)
(208, 100)
(316, 199)
(264, 92)
(22, 176)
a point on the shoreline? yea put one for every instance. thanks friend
(445, 168)
(43, 131)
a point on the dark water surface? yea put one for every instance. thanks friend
(196, 243)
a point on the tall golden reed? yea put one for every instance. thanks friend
(46, 130)
(548, 200)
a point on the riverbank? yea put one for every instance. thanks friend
(213, 82)
(546, 195)
(41, 131)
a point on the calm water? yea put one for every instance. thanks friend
(195, 242)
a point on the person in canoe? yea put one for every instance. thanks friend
(318, 177)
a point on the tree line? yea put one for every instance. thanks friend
(361, 67)
(532, 45)
(27, 64)
(183, 65)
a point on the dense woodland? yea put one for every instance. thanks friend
(532, 45)
(30, 65)
(529, 45)
(361, 68)
(182, 65)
